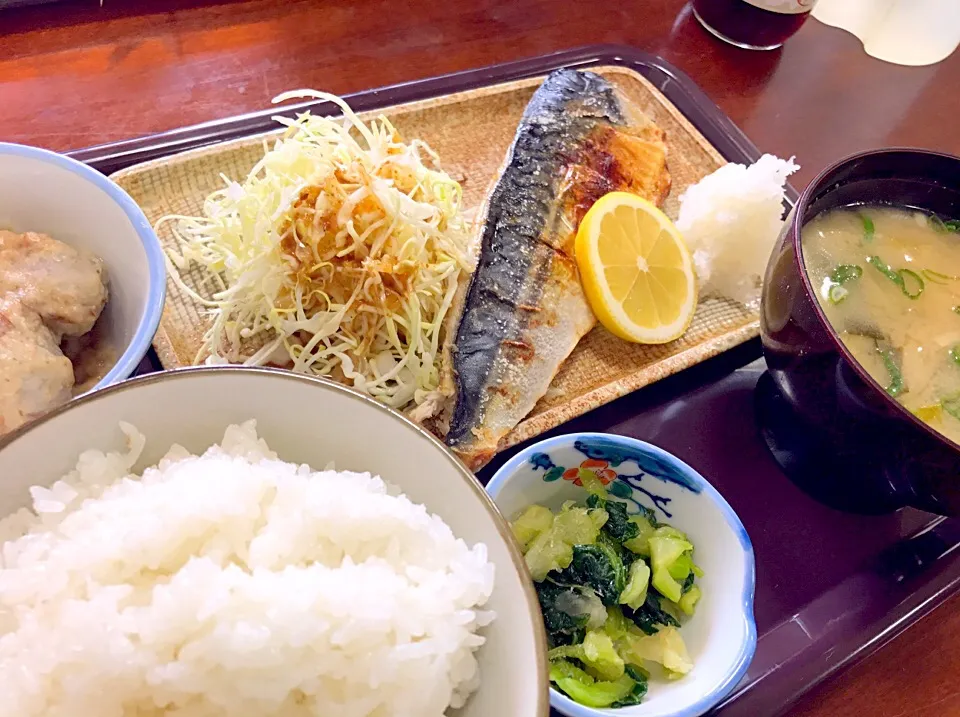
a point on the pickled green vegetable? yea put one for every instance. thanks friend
(639, 544)
(689, 600)
(665, 552)
(613, 587)
(666, 647)
(552, 549)
(599, 567)
(534, 520)
(638, 580)
(597, 654)
(583, 688)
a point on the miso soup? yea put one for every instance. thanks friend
(888, 280)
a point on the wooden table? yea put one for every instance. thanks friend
(76, 74)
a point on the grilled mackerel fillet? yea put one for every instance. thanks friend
(524, 310)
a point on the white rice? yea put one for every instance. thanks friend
(730, 220)
(236, 584)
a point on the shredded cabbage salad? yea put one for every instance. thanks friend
(339, 255)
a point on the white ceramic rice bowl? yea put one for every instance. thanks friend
(313, 421)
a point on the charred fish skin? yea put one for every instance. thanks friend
(525, 310)
(518, 214)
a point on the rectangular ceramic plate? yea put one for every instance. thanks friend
(471, 131)
(831, 587)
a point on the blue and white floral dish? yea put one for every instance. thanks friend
(722, 636)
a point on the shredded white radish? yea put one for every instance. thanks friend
(338, 255)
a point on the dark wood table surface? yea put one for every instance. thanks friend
(75, 74)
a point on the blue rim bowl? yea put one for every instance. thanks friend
(155, 270)
(722, 635)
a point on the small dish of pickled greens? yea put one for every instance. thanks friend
(614, 533)
(614, 589)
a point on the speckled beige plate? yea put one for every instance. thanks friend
(471, 131)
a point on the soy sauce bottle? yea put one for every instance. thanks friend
(753, 24)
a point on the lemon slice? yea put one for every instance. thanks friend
(636, 270)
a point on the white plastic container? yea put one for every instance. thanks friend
(905, 32)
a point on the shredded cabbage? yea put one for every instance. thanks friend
(339, 255)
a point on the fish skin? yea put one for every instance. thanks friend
(524, 309)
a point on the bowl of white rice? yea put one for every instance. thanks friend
(247, 542)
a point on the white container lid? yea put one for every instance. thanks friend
(905, 32)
